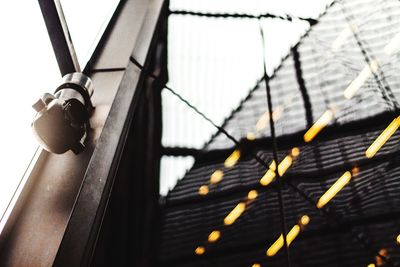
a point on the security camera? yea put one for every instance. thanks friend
(62, 119)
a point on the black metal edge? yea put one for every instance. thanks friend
(79, 239)
(65, 57)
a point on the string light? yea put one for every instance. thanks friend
(334, 189)
(282, 168)
(393, 45)
(199, 250)
(361, 79)
(342, 37)
(203, 190)
(382, 138)
(214, 236)
(378, 259)
(232, 159)
(216, 177)
(252, 195)
(235, 213)
(295, 152)
(264, 119)
(318, 125)
(290, 237)
(251, 136)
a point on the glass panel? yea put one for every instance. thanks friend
(87, 21)
(28, 68)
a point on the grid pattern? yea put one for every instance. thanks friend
(360, 224)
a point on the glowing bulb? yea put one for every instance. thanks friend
(214, 236)
(318, 125)
(304, 220)
(383, 253)
(232, 159)
(284, 165)
(382, 138)
(199, 250)
(355, 171)
(216, 177)
(398, 239)
(278, 244)
(250, 136)
(371, 265)
(393, 45)
(360, 79)
(252, 195)
(334, 189)
(282, 168)
(235, 213)
(264, 119)
(203, 190)
(256, 265)
(275, 247)
(342, 37)
(295, 152)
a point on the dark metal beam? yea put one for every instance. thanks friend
(59, 36)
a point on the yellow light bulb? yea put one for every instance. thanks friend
(282, 168)
(398, 239)
(318, 125)
(334, 189)
(216, 177)
(232, 159)
(358, 82)
(304, 220)
(199, 250)
(275, 247)
(203, 190)
(235, 213)
(382, 138)
(252, 195)
(278, 244)
(214, 236)
(284, 165)
(393, 45)
(250, 136)
(295, 152)
(371, 265)
(256, 265)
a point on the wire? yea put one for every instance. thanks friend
(286, 17)
(275, 151)
(329, 214)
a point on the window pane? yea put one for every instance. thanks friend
(87, 21)
(28, 68)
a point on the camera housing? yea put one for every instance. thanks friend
(62, 119)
